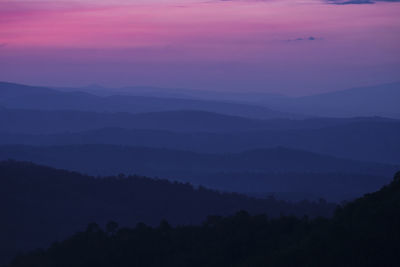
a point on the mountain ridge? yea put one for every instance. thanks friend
(51, 99)
(259, 171)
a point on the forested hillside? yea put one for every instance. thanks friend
(361, 233)
(40, 205)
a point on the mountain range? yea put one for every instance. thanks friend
(375, 100)
(228, 144)
(353, 138)
(216, 153)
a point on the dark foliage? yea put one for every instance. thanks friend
(365, 232)
(40, 205)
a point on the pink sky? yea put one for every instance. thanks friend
(214, 45)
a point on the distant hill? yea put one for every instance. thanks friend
(40, 205)
(41, 121)
(267, 170)
(257, 98)
(109, 159)
(367, 139)
(379, 100)
(17, 96)
(13, 90)
(58, 121)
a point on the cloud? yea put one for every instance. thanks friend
(358, 2)
(350, 2)
(301, 39)
(2, 45)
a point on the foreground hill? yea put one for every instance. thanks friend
(18, 96)
(362, 233)
(264, 170)
(40, 204)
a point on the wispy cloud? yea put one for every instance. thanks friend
(358, 2)
(303, 39)
(2, 45)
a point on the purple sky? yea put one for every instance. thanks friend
(291, 47)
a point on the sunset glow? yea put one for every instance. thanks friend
(221, 45)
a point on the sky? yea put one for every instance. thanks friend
(292, 47)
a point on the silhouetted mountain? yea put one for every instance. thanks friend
(269, 170)
(40, 205)
(361, 233)
(365, 139)
(26, 97)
